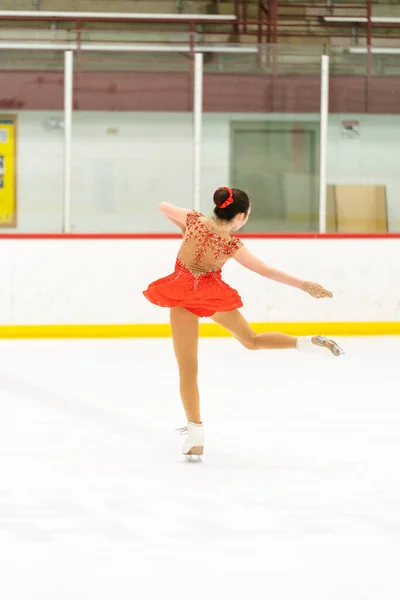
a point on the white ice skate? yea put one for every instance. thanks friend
(318, 343)
(194, 443)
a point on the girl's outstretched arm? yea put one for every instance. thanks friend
(251, 262)
(181, 227)
(177, 215)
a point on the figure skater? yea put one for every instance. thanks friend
(196, 289)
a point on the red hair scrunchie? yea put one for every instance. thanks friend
(229, 200)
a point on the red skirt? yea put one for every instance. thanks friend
(202, 295)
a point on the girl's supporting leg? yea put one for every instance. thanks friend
(237, 325)
(185, 334)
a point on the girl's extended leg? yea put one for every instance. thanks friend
(185, 334)
(237, 325)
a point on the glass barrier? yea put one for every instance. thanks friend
(31, 141)
(363, 142)
(132, 140)
(262, 134)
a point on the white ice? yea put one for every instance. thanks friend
(298, 495)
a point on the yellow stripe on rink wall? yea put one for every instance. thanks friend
(206, 330)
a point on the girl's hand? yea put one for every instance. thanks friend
(315, 290)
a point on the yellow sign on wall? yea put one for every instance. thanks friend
(8, 153)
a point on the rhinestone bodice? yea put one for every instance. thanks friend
(205, 248)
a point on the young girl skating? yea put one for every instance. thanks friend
(196, 289)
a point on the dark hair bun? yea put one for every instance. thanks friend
(240, 204)
(220, 195)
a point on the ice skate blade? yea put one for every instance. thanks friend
(194, 454)
(193, 458)
(331, 345)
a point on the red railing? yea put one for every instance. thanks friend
(76, 25)
(263, 25)
(277, 19)
(353, 20)
(268, 23)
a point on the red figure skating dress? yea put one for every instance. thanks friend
(196, 284)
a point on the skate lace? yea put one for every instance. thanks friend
(182, 430)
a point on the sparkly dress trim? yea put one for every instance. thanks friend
(198, 286)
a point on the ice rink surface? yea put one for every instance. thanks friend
(298, 495)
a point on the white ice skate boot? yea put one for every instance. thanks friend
(318, 343)
(194, 443)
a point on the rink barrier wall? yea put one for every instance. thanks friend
(90, 285)
(207, 330)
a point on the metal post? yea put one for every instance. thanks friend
(274, 17)
(369, 57)
(275, 50)
(197, 127)
(244, 16)
(323, 142)
(369, 23)
(68, 92)
(237, 5)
